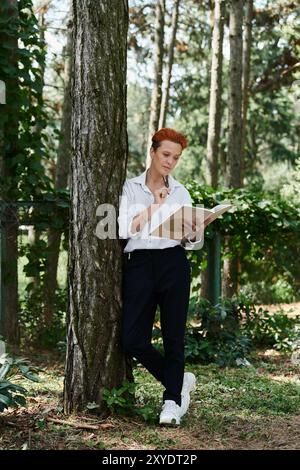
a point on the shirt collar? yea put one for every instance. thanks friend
(141, 179)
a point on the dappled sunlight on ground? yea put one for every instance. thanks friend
(254, 407)
(291, 309)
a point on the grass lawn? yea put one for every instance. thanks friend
(255, 407)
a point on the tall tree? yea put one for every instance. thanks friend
(233, 176)
(9, 149)
(166, 90)
(98, 166)
(235, 94)
(215, 113)
(61, 181)
(247, 42)
(158, 73)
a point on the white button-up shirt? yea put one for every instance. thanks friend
(136, 197)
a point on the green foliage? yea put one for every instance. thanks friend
(218, 338)
(275, 50)
(148, 412)
(121, 401)
(23, 117)
(52, 213)
(231, 329)
(264, 229)
(261, 215)
(33, 328)
(276, 330)
(291, 188)
(274, 55)
(11, 394)
(264, 292)
(23, 122)
(138, 117)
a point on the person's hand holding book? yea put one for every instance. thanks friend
(193, 227)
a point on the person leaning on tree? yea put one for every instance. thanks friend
(157, 273)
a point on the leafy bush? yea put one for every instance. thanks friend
(12, 395)
(197, 348)
(262, 292)
(231, 329)
(277, 330)
(32, 320)
(218, 338)
(122, 401)
(264, 229)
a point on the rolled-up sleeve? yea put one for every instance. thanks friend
(127, 211)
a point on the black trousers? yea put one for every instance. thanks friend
(150, 278)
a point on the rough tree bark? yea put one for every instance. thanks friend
(215, 111)
(158, 73)
(233, 176)
(247, 43)
(98, 165)
(214, 123)
(235, 94)
(166, 91)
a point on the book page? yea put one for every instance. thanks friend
(181, 223)
(188, 222)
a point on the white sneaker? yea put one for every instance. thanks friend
(189, 384)
(170, 413)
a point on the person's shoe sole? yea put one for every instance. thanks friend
(172, 422)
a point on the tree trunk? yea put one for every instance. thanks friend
(215, 112)
(214, 125)
(61, 182)
(166, 92)
(158, 73)
(230, 268)
(98, 165)
(9, 122)
(235, 94)
(246, 80)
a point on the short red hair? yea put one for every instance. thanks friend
(168, 134)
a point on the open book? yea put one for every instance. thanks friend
(188, 222)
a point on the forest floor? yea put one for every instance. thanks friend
(291, 309)
(256, 407)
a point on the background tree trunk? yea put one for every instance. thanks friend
(215, 112)
(166, 91)
(247, 42)
(61, 182)
(158, 73)
(98, 165)
(235, 94)
(230, 268)
(10, 122)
